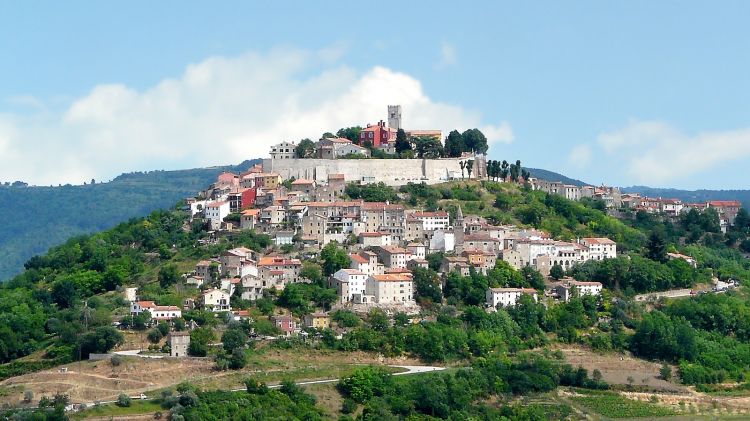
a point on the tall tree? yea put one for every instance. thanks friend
(428, 147)
(402, 142)
(334, 258)
(305, 149)
(474, 140)
(504, 170)
(351, 133)
(656, 249)
(469, 166)
(454, 144)
(463, 165)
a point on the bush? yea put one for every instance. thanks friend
(349, 406)
(123, 401)
(116, 360)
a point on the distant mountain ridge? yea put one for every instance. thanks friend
(38, 217)
(553, 176)
(692, 196)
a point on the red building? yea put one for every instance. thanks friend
(248, 197)
(378, 134)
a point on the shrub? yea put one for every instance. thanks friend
(123, 400)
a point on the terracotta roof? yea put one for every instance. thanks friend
(584, 283)
(146, 303)
(724, 203)
(277, 261)
(251, 212)
(372, 234)
(438, 214)
(597, 240)
(357, 258)
(393, 277)
(336, 176)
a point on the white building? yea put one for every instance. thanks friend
(283, 150)
(393, 257)
(432, 220)
(507, 296)
(216, 300)
(215, 212)
(442, 240)
(565, 290)
(283, 238)
(157, 312)
(347, 283)
(600, 248)
(417, 250)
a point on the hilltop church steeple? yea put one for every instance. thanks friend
(459, 228)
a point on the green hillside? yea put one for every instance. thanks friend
(63, 305)
(37, 218)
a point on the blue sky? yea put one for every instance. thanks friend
(624, 93)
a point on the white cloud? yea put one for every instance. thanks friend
(580, 156)
(221, 110)
(448, 55)
(655, 152)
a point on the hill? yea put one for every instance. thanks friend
(37, 218)
(692, 195)
(63, 307)
(553, 176)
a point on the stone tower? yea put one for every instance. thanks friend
(394, 116)
(458, 231)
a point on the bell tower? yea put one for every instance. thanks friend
(394, 116)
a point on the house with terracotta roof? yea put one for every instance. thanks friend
(388, 289)
(727, 210)
(157, 312)
(278, 271)
(393, 257)
(482, 241)
(304, 186)
(367, 262)
(459, 264)
(249, 219)
(317, 320)
(379, 135)
(286, 324)
(374, 239)
(600, 248)
(689, 259)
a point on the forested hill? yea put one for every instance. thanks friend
(553, 176)
(693, 195)
(37, 218)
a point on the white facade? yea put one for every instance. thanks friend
(216, 300)
(283, 150)
(442, 240)
(432, 220)
(347, 283)
(600, 248)
(507, 296)
(215, 212)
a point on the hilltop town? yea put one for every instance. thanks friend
(392, 247)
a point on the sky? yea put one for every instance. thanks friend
(621, 93)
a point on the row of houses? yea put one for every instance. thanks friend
(615, 199)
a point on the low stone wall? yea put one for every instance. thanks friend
(394, 172)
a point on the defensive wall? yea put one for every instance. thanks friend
(393, 172)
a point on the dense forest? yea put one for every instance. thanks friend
(38, 218)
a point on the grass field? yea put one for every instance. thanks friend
(614, 405)
(112, 410)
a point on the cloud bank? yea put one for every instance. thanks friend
(221, 110)
(654, 152)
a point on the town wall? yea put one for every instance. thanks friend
(394, 172)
